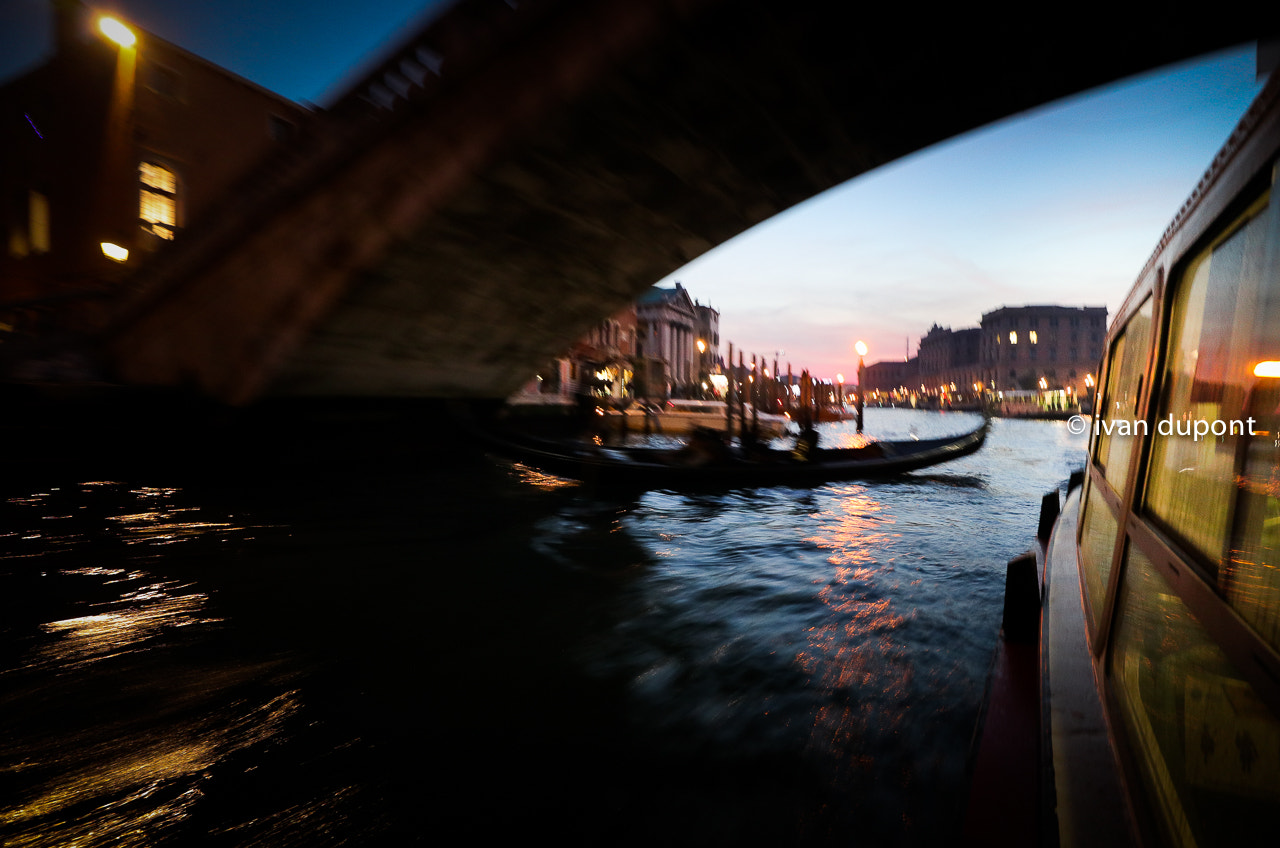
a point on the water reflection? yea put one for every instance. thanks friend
(855, 651)
(140, 614)
(112, 720)
(299, 662)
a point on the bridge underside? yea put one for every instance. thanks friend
(451, 247)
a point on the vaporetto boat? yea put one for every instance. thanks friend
(1160, 639)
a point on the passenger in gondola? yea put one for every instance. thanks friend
(806, 445)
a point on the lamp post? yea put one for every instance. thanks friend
(702, 368)
(861, 347)
(116, 196)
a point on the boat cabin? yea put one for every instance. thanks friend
(1177, 537)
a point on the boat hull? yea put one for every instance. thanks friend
(655, 469)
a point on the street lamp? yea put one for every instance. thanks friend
(116, 199)
(117, 32)
(702, 365)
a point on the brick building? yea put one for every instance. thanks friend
(112, 147)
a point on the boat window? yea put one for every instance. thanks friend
(1201, 735)
(1117, 427)
(1097, 547)
(1201, 417)
(1251, 576)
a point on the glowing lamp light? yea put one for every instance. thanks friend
(839, 378)
(861, 348)
(115, 251)
(117, 32)
(1269, 368)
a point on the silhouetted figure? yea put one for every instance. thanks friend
(806, 444)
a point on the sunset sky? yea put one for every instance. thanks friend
(1060, 205)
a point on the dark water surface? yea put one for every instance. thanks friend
(406, 656)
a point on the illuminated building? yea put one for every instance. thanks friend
(1060, 344)
(111, 149)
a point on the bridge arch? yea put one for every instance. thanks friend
(509, 175)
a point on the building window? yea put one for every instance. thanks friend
(280, 129)
(158, 200)
(1033, 337)
(165, 82)
(1013, 337)
(38, 206)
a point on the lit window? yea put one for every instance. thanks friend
(1013, 337)
(1032, 337)
(39, 211)
(157, 199)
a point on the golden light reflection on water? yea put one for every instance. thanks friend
(152, 609)
(854, 650)
(113, 729)
(159, 528)
(546, 482)
(124, 782)
(845, 439)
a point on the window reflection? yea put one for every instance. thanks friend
(1123, 395)
(1193, 481)
(1205, 740)
(157, 199)
(1098, 544)
(1251, 575)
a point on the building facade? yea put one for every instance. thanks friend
(896, 379)
(669, 325)
(1043, 347)
(112, 147)
(949, 363)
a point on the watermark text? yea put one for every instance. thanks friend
(1196, 428)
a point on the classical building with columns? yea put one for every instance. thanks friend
(669, 325)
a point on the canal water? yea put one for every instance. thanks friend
(410, 656)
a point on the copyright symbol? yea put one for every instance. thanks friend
(1077, 425)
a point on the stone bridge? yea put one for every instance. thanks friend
(515, 172)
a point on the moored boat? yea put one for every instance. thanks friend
(682, 417)
(1160, 627)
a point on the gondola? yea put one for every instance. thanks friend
(708, 462)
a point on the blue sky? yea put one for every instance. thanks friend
(1060, 205)
(1064, 205)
